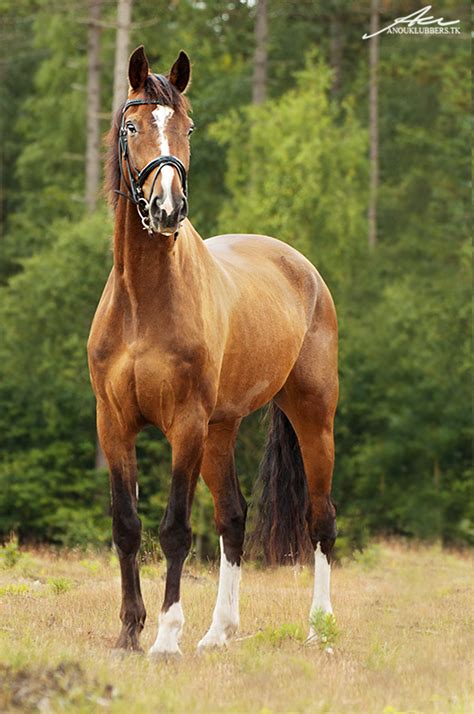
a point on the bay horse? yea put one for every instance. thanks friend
(191, 336)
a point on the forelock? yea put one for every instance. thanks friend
(158, 87)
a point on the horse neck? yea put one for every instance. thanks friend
(160, 268)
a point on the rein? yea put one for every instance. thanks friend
(135, 179)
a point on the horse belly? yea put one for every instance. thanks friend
(253, 372)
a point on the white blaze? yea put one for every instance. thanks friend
(162, 115)
(225, 619)
(169, 631)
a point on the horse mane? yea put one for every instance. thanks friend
(158, 87)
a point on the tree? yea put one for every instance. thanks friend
(122, 50)
(308, 189)
(47, 481)
(373, 122)
(336, 53)
(93, 107)
(93, 156)
(259, 83)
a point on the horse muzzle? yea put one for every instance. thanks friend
(167, 218)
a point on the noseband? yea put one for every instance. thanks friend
(135, 179)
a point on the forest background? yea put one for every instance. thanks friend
(354, 151)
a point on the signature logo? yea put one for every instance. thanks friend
(419, 23)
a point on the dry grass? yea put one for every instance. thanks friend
(405, 640)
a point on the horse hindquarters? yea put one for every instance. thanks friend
(303, 421)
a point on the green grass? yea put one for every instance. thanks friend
(402, 639)
(326, 630)
(60, 585)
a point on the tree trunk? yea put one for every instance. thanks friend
(335, 51)
(93, 107)
(93, 134)
(374, 130)
(124, 16)
(259, 82)
(122, 50)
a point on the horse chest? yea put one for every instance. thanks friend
(161, 386)
(152, 385)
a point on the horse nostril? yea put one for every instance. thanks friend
(165, 219)
(155, 208)
(183, 209)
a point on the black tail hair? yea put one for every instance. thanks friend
(281, 530)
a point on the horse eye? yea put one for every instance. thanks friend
(191, 129)
(131, 128)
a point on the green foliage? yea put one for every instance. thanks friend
(10, 553)
(352, 535)
(49, 488)
(59, 585)
(379, 657)
(326, 631)
(311, 192)
(369, 558)
(15, 589)
(276, 636)
(92, 566)
(11, 557)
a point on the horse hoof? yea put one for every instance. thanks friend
(202, 649)
(124, 652)
(164, 656)
(212, 643)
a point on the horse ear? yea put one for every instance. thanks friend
(138, 68)
(180, 72)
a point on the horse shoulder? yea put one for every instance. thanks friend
(95, 332)
(105, 337)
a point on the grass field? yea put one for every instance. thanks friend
(404, 645)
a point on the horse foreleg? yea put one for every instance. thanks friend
(119, 449)
(218, 471)
(176, 535)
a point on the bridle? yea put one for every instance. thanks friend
(135, 179)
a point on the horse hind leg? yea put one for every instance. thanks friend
(309, 400)
(218, 471)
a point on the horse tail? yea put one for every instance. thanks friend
(281, 531)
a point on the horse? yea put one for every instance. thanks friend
(191, 336)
